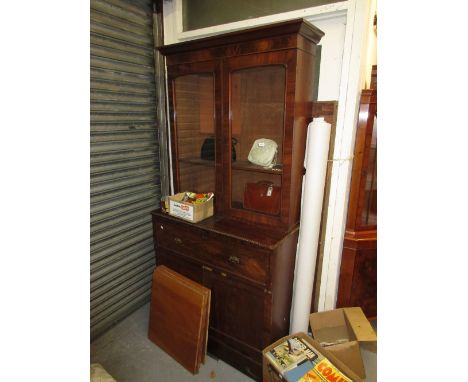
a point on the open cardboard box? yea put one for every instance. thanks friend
(191, 212)
(269, 376)
(340, 332)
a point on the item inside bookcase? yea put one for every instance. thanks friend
(208, 149)
(264, 152)
(191, 206)
(262, 196)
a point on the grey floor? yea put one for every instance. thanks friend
(127, 354)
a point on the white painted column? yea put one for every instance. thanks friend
(353, 76)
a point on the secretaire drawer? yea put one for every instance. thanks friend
(238, 257)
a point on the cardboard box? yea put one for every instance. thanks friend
(189, 211)
(341, 331)
(270, 375)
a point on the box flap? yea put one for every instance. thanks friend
(350, 354)
(329, 318)
(331, 335)
(360, 325)
(330, 327)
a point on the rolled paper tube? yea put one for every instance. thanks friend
(318, 141)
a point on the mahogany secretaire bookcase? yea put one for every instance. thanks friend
(229, 91)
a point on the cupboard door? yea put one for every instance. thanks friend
(259, 100)
(237, 310)
(364, 287)
(194, 117)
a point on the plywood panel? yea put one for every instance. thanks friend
(179, 317)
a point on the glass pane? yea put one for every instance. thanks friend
(195, 127)
(204, 13)
(369, 210)
(257, 104)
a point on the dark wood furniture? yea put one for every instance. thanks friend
(358, 274)
(237, 88)
(249, 270)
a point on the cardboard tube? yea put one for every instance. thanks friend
(318, 142)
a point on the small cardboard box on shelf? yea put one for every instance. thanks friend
(192, 212)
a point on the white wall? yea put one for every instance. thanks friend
(371, 55)
(332, 56)
(351, 84)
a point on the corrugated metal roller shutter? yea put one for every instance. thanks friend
(125, 184)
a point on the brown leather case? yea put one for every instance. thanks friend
(179, 315)
(262, 196)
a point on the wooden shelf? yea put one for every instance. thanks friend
(198, 161)
(247, 166)
(240, 206)
(238, 165)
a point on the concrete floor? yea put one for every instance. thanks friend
(369, 356)
(129, 356)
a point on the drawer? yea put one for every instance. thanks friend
(215, 250)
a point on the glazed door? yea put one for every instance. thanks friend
(259, 123)
(358, 272)
(195, 139)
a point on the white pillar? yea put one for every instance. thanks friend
(352, 81)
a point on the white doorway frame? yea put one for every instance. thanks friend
(352, 80)
(173, 24)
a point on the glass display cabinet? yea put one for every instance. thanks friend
(224, 95)
(227, 95)
(358, 274)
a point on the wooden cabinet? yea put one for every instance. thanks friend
(358, 274)
(249, 269)
(226, 92)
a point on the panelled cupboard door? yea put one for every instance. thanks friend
(194, 91)
(237, 309)
(258, 97)
(365, 281)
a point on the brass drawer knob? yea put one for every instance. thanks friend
(178, 240)
(234, 260)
